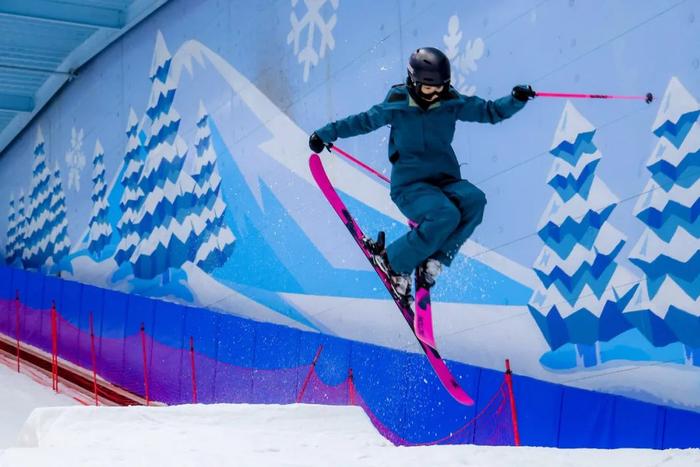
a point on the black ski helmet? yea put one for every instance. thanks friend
(429, 66)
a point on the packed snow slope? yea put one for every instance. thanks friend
(19, 395)
(268, 435)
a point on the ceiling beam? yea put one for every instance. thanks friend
(16, 103)
(36, 70)
(67, 13)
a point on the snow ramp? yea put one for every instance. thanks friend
(268, 435)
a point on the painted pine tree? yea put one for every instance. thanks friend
(584, 291)
(165, 220)
(38, 248)
(100, 232)
(20, 226)
(133, 195)
(667, 307)
(58, 234)
(216, 240)
(11, 232)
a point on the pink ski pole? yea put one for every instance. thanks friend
(369, 169)
(648, 98)
(359, 162)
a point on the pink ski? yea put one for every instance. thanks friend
(439, 366)
(423, 319)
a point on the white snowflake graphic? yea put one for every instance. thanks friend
(310, 22)
(75, 159)
(463, 63)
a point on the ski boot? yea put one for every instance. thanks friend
(427, 273)
(401, 283)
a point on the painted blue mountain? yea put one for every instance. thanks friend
(264, 235)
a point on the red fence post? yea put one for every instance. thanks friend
(308, 375)
(54, 346)
(145, 364)
(17, 325)
(511, 396)
(194, 374)
(351, 387)
(94, 359)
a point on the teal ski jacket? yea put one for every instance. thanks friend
(420, 142)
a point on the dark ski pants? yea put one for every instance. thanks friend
(446, 215)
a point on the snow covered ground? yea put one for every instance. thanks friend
(19, 395)
(38, 427)
(273, 435)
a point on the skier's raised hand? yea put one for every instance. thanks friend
(523, 93)
(317, 144)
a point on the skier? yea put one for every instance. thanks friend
(426, 183)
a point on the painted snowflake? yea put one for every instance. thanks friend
(463, 62)
(312, 20)
(75, 159)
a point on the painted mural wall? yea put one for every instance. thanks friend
(175, 167)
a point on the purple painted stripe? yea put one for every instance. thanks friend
(318, 392)
(119, 361)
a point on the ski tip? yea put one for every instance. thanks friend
(466, 401)
(316, 167)
(314, 159)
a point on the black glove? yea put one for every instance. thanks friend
(523, 93)
(317, 144)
